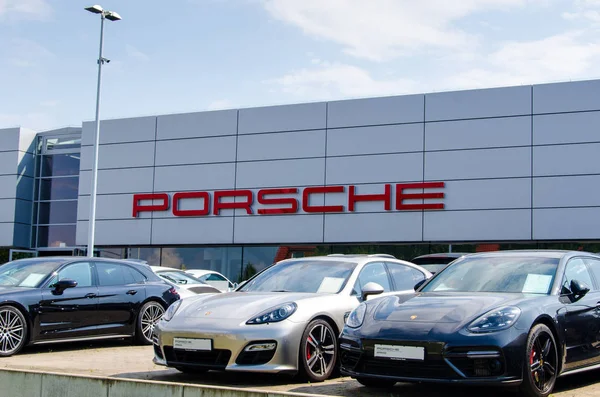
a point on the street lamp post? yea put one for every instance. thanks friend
(111, 16)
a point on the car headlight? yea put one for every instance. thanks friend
(356, 318)
(496, 320)
(274, 315)
(171, 310)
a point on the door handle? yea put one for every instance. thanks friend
(90, 295)
(131, 292)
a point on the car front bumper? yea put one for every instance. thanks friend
(229, 341)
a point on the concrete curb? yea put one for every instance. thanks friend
(30, 383)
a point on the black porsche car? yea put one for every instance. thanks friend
(57, 299)
(520, 318)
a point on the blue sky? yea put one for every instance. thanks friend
(192, 55)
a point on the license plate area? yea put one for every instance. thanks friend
(192, 344)
(400, 352)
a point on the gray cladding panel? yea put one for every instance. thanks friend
(566, 128)
(566, 97)
(566, 223)
(495, 102)
(7, 231)
(392, 168)
(7, 210)
(308, 116)
(121, 130)
(9, 139)
(488, 194)
(194, 177)
(125, 155)
(391, 226)
(566, 160)
(566, 191)
(9, 162)
(374, 111)
(131, 180)
(375, 140)
(281, 145)
(196, 151)
(112, 206)
(282, 173)
(477, 225)
(276, 229)
(116, 232)
(8, 186)
(482, 133)
(481, 163)
(196, 125)
(210, 230)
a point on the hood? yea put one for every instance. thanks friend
(237, 305)
(439, 307)
(7, 290)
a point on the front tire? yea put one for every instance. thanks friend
(541, 363)
(376, 383)
(318, 351)
(148, 316)
(13, 331)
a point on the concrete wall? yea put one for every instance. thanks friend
(15, 383)
(16, 186)
(519, 163)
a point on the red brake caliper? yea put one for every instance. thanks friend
(308, 355)
(531, 357)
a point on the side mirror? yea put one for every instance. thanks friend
(63, 284)
(418, 285)
(579, 288)
(371, 289)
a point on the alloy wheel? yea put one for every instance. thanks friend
(12, 331)
(319, 350)
(542, 362)
(150, 316)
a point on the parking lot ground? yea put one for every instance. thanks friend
(120, 359)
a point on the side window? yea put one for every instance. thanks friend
(372, 272)
(405, 277)
(214, 277)
(576, 270)
(112, 274)
(80, 272)
(136, 277)
(594, 265)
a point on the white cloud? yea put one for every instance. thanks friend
(220, 104)
(337, 80)
(380, 30)
(133, 52)
(584, 9)
(24, 53)
(26, 9)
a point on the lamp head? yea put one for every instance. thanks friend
(96, 9)
(112, 16)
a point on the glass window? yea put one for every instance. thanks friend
(69, 142)
(257, 259)
(135, 275)
(373, 272)
(594, 265)
(80, 272)
(60, 165)
(312, 276)
(56, 236)
(58, 212)
(59, 188)
(525, 274)
(212, 277)
(404, 277)
(113, 274)
(225, 260)
(150, 255)
(26, 273)
(178, 277)
(576, 270)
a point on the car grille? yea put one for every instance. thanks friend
(255, 358)
(217, 358)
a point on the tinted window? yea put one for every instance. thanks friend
(404, 277)
(373, 272)
(213, 277)
(113, 274)
(80, 272)
(576, 270)
(135, 275)
(594, 265)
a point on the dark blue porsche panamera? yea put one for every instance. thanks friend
(514, 318)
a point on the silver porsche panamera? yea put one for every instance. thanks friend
(285, 319)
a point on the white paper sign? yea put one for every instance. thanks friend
(400, 352)
(537, 284)
(192, 344)
(330, 285)
(32, 280)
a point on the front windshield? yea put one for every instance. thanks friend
(530, 275)
(311, 276)
(179, 277)
(26, 273)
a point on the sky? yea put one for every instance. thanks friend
(193, 55)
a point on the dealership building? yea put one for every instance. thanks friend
(235, 190)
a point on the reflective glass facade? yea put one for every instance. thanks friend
(55, 191)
